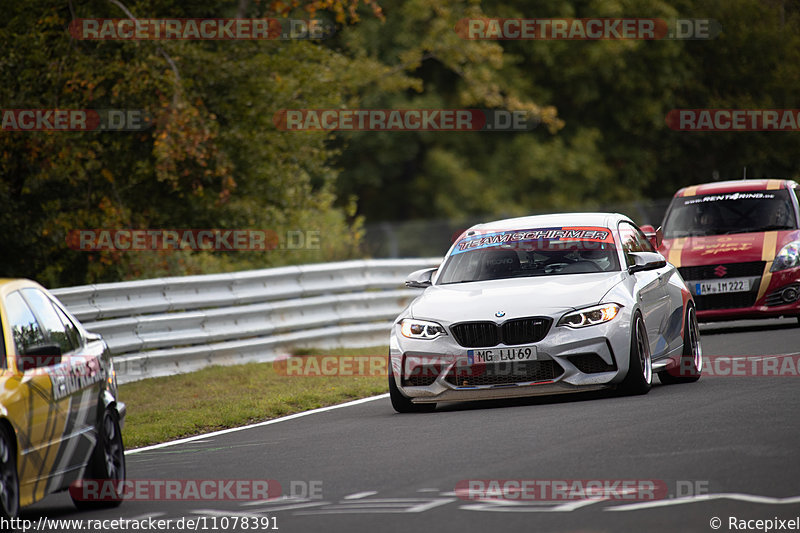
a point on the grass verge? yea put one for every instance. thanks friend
(219, 397)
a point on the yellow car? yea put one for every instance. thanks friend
(60, 419)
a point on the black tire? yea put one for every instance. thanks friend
(691, 364)
(402, 404)
(106, 465)
(9, 481)
(640, 367)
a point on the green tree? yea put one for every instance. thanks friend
(212, 159)
(611, 97)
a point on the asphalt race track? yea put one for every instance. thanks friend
(723, 447)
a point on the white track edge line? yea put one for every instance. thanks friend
(256, 425)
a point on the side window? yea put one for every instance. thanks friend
(53, 327)
(633, 240)
(645, 243)
(797, 194)
(630, 242)
(72, 331)
(24, 327)
(3, 363)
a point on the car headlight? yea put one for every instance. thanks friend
(421, 329)
(590, 316)
(788, 257)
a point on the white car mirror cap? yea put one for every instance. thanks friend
(644, 261)
(420, 279)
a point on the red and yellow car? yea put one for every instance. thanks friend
(60, 417)
(737, 246)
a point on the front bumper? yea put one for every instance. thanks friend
(568, 360)
(775, 294)
(502, 392)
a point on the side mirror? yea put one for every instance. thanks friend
(39, 356)
(420, 279)
(655, 236)
(646, 261)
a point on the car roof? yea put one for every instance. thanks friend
(20, 282)
(552, 220)
(725, 187)
(8, 285)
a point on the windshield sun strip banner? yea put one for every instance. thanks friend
(750, 195)
(560, 234)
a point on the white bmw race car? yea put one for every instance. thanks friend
(544, 305)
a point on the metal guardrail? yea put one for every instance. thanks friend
(165, 326)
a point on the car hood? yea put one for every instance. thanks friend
(517, 297)
(734, 248)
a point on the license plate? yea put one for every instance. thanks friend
(502, 355)
(720, 286)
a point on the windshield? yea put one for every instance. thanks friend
(721, 214)
(529, 253)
